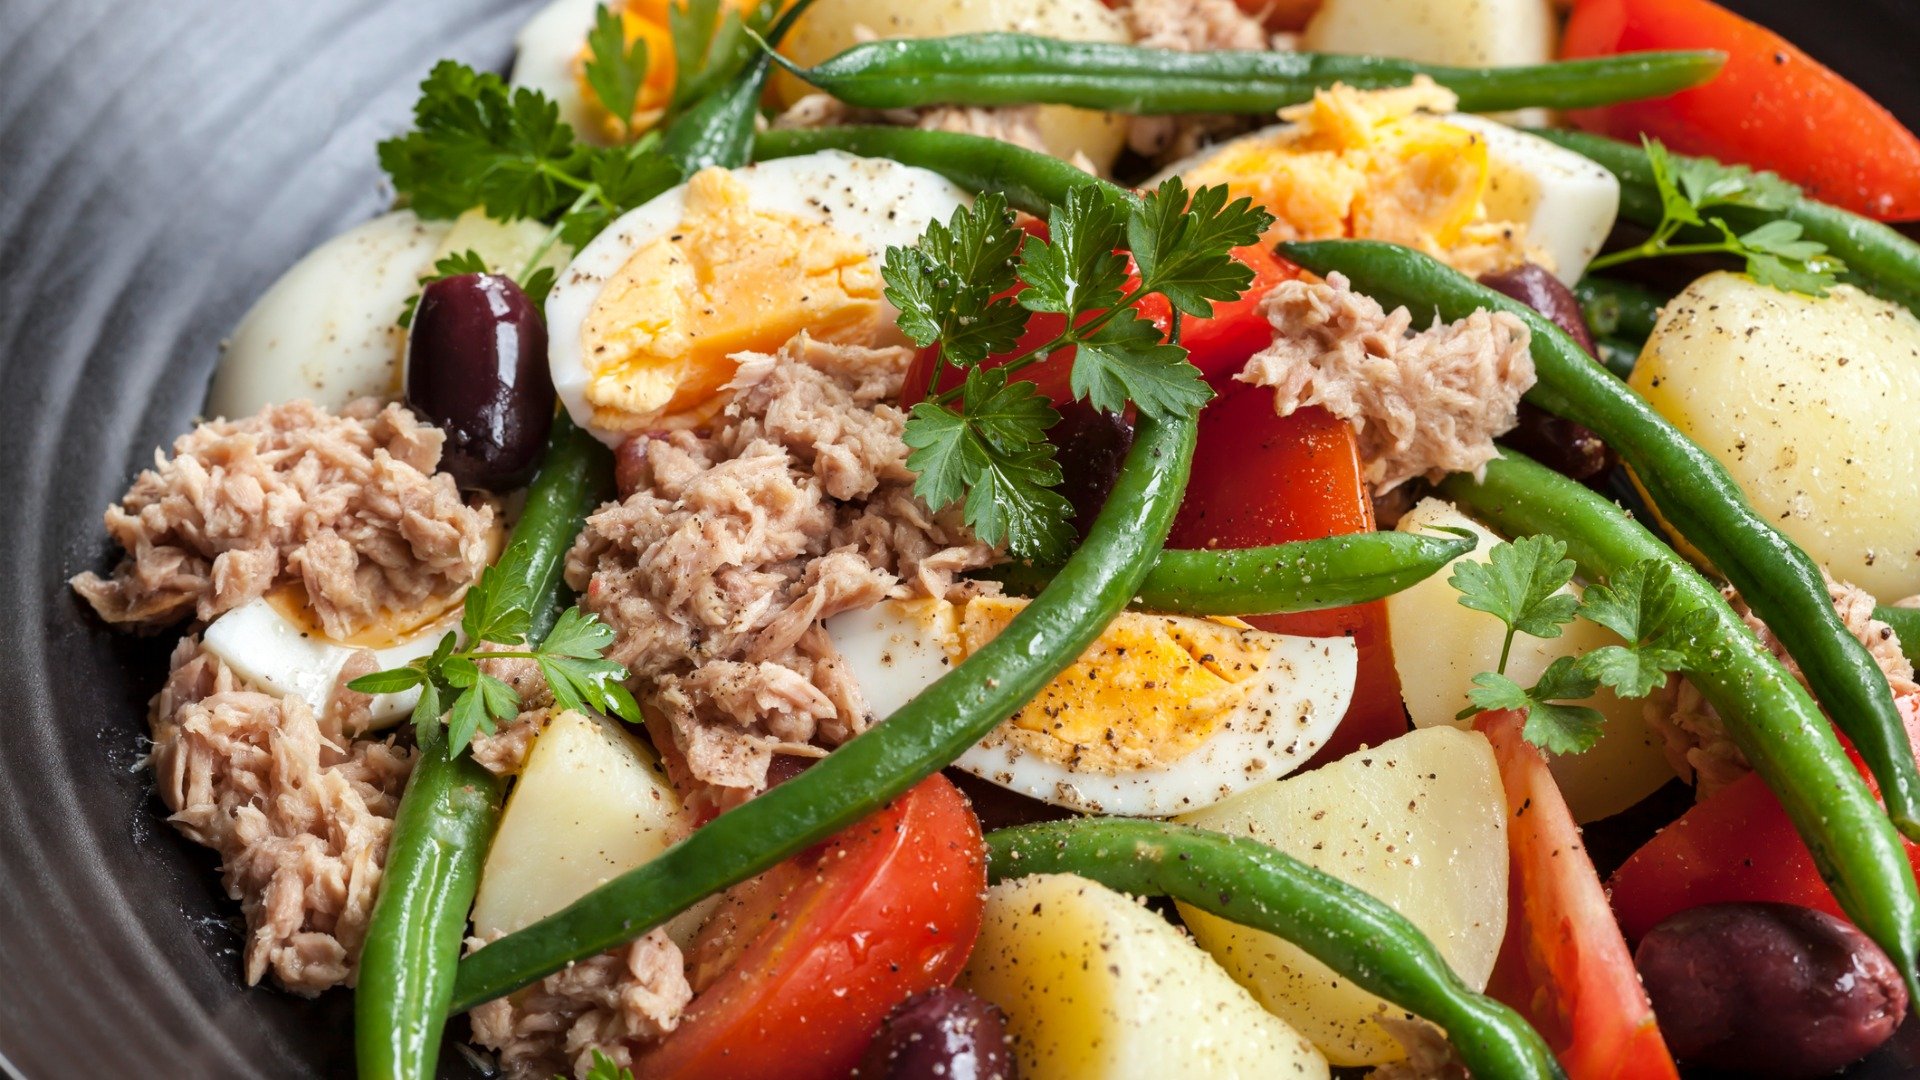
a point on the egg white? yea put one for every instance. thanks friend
(279, 657)
(325, 331)
(877, 202)
(543, 60)
(896, 649)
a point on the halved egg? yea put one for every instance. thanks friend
(1162, 715)
(272, 644)
(643, 325)
(547, 58)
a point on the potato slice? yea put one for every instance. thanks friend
(1469, 33)
(1419, 822)
(831, 26)
(1097, 987)
(1439, 646)
(590, 804)
(1807, 402)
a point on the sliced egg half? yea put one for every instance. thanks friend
(1162, 715)
(643, 325)
(1422, 179)
(273, 646)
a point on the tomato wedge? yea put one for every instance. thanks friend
(1564, 965)
(1738, 844)
(799, 967)
(1773, 106)
(1263, 479)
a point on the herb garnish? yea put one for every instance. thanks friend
(1520, 585)
(983, 443)
(499, 611)
(1777, 253)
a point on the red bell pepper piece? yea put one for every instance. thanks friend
(1563, 964)
(1772, 107)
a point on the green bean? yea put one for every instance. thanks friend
(1619, 310)
(1031, 181)
(447, 815)
(1306, 575)
(1256, 885)
(1767, 713)
(1689, 487)
(1025, 69)
(924, 736)
(1879, 259)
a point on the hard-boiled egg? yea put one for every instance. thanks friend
(271, 644)
(1162, 715)
(1568, 202)
(643, 325)
(1369, 164)
(547, 58)
(326, 330)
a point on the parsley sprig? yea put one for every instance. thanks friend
(1777, 252)
(604, 1069)
(499, 611)
(971, 285)
(1521, 585)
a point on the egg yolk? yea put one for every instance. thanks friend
(1373, 165)
(659, 340)
(1152, 690)
(644, 20)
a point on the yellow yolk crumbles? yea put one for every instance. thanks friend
(1376, 165)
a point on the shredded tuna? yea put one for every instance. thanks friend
(1189, 26)
(347, 505)
(635, 993)
(1695, 737)
(729, 549)
(1423, 404)
(300, 821)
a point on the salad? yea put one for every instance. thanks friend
(1058, 538)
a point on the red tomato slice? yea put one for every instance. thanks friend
(808, 959)
(1773, 106)
(1263, 479)
(1736, 845)
(1564, 965)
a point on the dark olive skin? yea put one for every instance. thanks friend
(1092, 444)
(941, 1034)
(1769, 990)
(477, 369)
(1561, 445)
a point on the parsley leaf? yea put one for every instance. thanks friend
(1183, 244)
(615, 71)
(1125, 359)
(604, 1069)
(1776, 252)
(1519, 585)
(1077, 269)
(946, 285)
(996, 457)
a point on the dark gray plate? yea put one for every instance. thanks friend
(160, 162)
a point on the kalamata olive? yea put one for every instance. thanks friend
(1534, 286)
(1092, 444)
(1561, 445)
(941, 1034)
(477, 368)
(1771, 990)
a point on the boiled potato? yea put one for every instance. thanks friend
(505, 246)
(1420, 823)
(590, 804)
(1097, 987)
(831, 26)
(1807, 402)
(325, 331)
(1468, 33)
(1439, 646)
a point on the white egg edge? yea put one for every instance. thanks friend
(853, 188)
(543, 59)
(1232, 759)
(276, 657)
